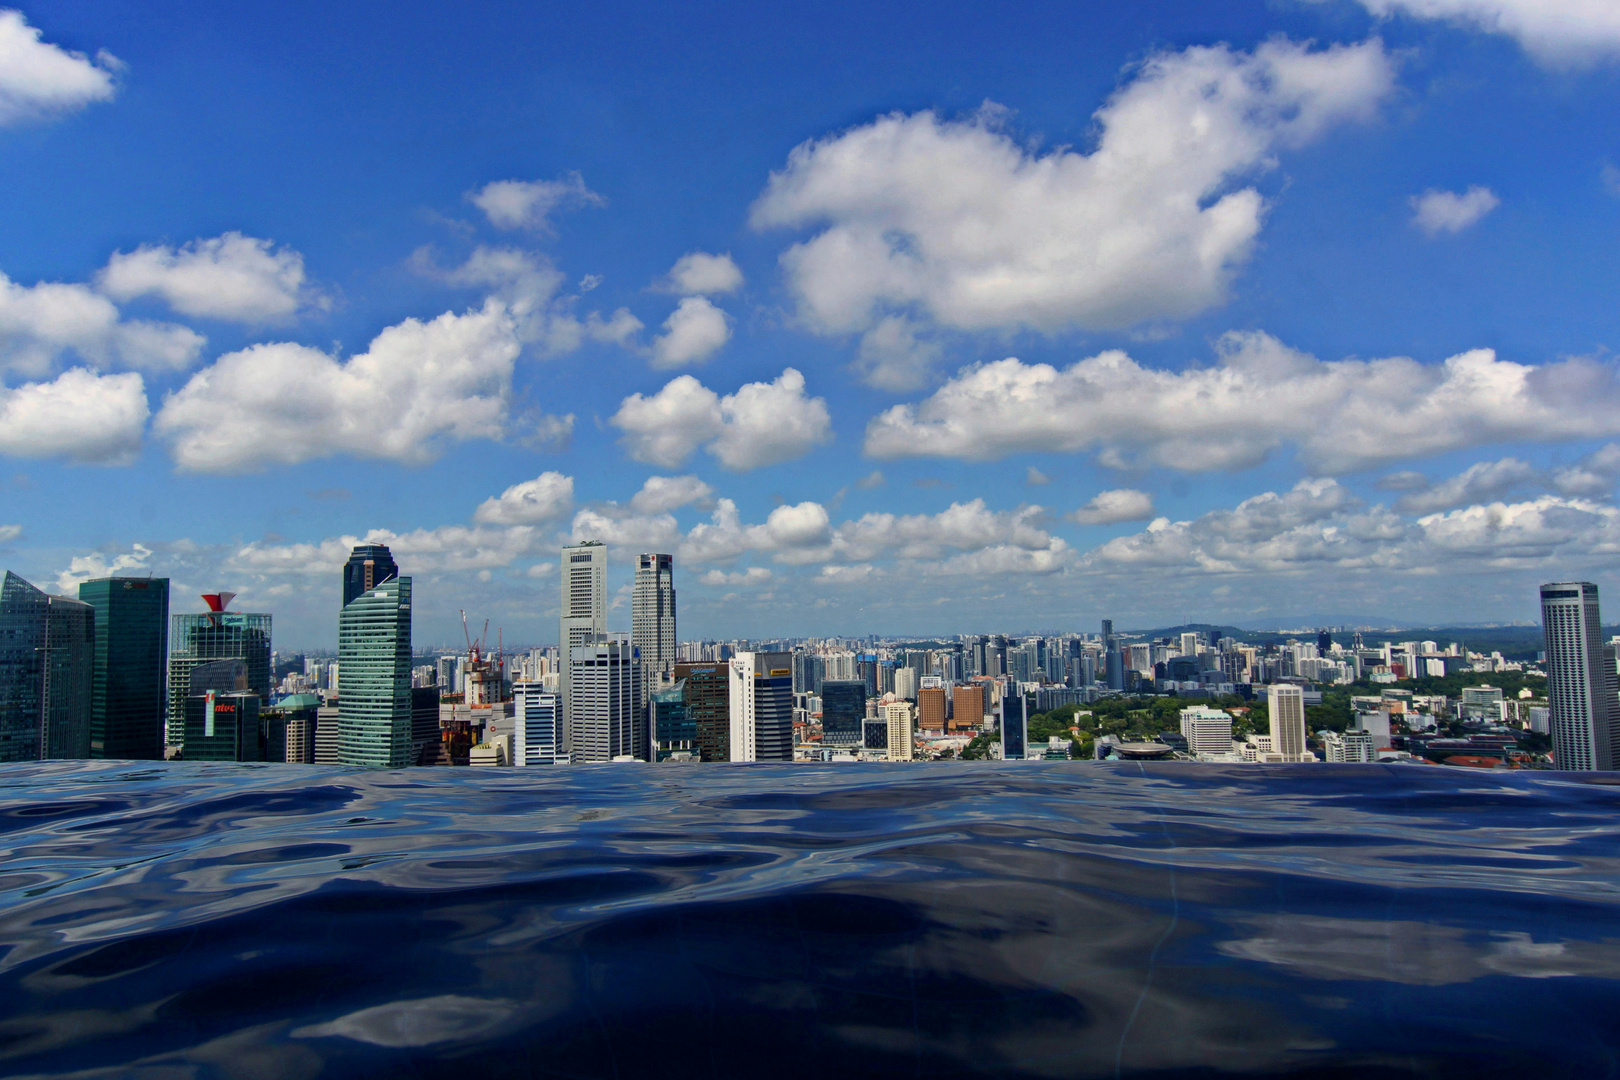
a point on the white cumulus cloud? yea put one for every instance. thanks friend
(697, 273)
(660, 494)
(753, 575)
(530, 286)
(527, 204)
(418, 386)
(232, 277)
(1559, 33)
(695, 331)
(761, 424)
(38, 79)
(1479, 483)
(42, 322)
(1113, 507)
(8, 533)
(548, 497)
(1437, 212)
(958, 224)
(80, 415)
(1342, 415)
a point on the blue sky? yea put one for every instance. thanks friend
(1312, 305)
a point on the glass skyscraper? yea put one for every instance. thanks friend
(369, 565)
(843, 708)
(214, 635)
(374, 676)
(131, 653)
(1581, 679)
(45, 666)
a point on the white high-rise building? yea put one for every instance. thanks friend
(536, 723)
(898, 715)
(652, 612)
(606, 714)
(1581, 678)
(1287, 707)
(1189, 644)
(1351, 748)
(761, 685)
(1208, 731)
(583, 615)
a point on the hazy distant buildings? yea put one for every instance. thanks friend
(375, 713)
(761, 685)
(606, 716)
(583, 618)
(1581, 677)
(652, 612)
(130, 654)
(1286, 705)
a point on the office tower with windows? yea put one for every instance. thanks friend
(375, 725)
(1014, 727)
(583, 618)
(761, 686)
(843, 708)
(221, 715)
(899, 731)
(130, 655)
(536, 722)
(1286, 704)
(46, 667)
(606, 714)
(1581, 692)
(369, 565)
(931, 708)
(1208, 731)
(652, 613)
(708, 705)
(967, 706)
(216, 634)
(1107, 634)
(673, 730)
(424, 724)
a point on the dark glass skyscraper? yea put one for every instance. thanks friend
(131, 653)
(369, 565)
(45, 665)
(1014, 727)
(843, 708)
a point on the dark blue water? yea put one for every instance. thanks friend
(200, 920)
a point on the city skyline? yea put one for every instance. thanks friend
(836, 332)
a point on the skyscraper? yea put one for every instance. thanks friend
(1286, 704)
(536, 716)
(369, 565)
(46, 650)
(708, 705)
(374, 662)
(131, 653)
(843, 707)
(1014, 727)
(901, 746)
(583, 615)
(216, 634)
(1580, 678)
(652, 613)
(605, 705)
(762, 706)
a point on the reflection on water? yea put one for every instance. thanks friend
(1058, 920)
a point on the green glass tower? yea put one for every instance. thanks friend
(374, 677)
(131, 653)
